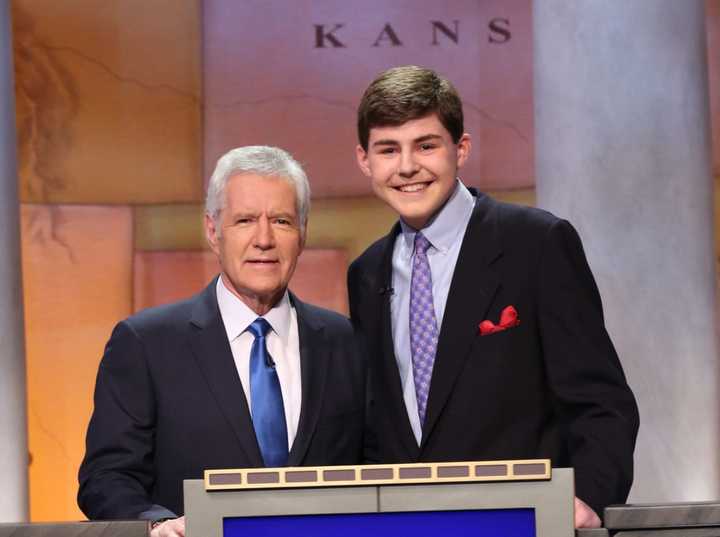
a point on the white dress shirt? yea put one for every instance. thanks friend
(445, 233)
(283, 344)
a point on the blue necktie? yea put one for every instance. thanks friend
(268, 413)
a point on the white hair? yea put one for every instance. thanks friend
(261, 160)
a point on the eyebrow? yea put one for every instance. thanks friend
(418, 140)
(289, 216)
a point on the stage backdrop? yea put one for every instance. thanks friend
(123, 108)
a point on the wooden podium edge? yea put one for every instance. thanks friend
(378, 474)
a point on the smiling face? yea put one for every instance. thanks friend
(413, 166)
(257, 238)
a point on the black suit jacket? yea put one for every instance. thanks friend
(169, 404)
(551, 387)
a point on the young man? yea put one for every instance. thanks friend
(483, 320)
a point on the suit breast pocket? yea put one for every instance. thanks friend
(500, 341)
(506, 364)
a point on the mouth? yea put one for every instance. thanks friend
(262, 262)
(413, 187)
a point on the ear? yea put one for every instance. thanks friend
(303, 237)
(362, 160)
(463, 149)
(211, 234)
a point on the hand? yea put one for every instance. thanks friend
(585, 517)
(170, 528)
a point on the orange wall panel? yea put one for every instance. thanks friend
(108, 101)
(77, 284)
(162, 277)
(320, 278)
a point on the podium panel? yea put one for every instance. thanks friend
(115, 528)
(235, 503)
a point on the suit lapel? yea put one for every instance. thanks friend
(387, 359)
(474, 284)
(314, 356)
(211, 350)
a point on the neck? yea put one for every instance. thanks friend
(260, 304)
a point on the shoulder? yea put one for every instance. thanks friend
(332, 322)
(373, 254)
(515, 225)
(167, 317)
(511, 216)
(369, 264)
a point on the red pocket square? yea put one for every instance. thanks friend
(508, 319)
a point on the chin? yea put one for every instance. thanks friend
(415, 216)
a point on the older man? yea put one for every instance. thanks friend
(243, 374)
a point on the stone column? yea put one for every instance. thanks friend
(13, 419)
(623, 151)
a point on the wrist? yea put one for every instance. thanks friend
(155, 523)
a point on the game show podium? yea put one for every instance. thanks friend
(484, 499)
(110, 528)
(696, 519)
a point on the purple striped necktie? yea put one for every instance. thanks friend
(423, 325)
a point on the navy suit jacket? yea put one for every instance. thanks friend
(169, 404)
(551, 387)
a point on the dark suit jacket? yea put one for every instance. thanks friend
(551, 387)
(169, 404)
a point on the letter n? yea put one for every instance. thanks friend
(453, 36)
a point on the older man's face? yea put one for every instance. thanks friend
(259, 239)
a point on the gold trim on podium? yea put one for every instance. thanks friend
(378, 474)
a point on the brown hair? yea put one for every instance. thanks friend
(409, 92)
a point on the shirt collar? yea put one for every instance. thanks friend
(237, 316)
(448, 224)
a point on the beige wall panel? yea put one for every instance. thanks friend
(346, 223)
(162, 277)
(108, 106)
(77, 284)
(266, 82)
(169, 227)
(350, 224)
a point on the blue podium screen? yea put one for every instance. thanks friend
(480, 523)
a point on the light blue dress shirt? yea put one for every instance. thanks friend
(445, 232)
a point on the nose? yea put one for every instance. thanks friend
(264, 235)
(407, 166)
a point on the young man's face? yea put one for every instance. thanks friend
(413, 166)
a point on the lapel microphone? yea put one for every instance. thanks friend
(386, 291)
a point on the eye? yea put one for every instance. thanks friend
(427, 146)
(283, 221)
(243, 220)
(388, 150)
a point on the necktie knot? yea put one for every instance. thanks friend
(259, 327)
(421, 244)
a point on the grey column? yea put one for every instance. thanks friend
(623, 151)
(13, 420)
